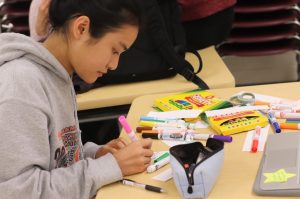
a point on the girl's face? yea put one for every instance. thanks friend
(92, 58)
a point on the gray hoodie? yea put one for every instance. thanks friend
(40, 143)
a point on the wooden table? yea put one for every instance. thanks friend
(238, 172)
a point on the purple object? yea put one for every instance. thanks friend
(222, 138)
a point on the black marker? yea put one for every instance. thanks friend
(143, 186)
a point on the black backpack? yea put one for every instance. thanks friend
(157, 53)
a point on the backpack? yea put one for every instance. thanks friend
(157, 53)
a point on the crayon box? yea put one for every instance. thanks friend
(195, 99)
(237, 122)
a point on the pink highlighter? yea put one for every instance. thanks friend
(127, 128)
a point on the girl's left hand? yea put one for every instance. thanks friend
(110, 147)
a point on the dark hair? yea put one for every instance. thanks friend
(104, 15)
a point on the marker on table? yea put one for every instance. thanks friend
(167, 124)
(294, 126)
(139, 129)
(164, 155)
(274, 122)
(158, 119)
(175, 136)
(127, 128)
(143, 186)
(294, 120)
(202, 136)
(286, 115)
(158, 165)
(182, 135)
(175, 124)
(255, 139)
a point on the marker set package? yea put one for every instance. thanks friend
(196, 167)
(228, 124)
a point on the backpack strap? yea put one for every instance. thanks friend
(157, 29)
(199, 59)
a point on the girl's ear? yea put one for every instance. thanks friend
(80, 27)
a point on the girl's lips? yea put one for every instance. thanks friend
(100, 74)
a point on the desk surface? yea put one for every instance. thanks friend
(215, 73)
(239, 169)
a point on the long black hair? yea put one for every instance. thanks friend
(104, 15)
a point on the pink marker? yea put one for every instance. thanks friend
(127, 128)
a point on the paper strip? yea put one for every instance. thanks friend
(164, 176)
(262, 139)
(176, 114)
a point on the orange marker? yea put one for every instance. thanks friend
(150, 131)
(142, 128)
(261, 103)
(290, 126)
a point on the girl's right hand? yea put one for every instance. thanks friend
(134, 157)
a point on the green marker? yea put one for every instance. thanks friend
(163, 156)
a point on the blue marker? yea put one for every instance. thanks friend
(274, 122)
(155, 119)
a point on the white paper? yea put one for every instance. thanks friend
(201, 125)
(234, 110)
(174, 143)
(175, 114)
(164, 176)
(261, 142)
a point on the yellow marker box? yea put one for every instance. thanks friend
(237, 122)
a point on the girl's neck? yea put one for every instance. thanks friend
(58, 46)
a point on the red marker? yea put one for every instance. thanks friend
(255, 139)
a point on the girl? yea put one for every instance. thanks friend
(40, 147)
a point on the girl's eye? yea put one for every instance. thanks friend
(115, 52)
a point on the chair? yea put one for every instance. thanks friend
(15, 16)
(272, 33)
(261, 48)
(262, 32)
(258, 6)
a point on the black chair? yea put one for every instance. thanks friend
(254, 6)
(15, 16)
(263, 31)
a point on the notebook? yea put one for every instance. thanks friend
(278, 173)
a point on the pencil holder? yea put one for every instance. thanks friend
(196, 167)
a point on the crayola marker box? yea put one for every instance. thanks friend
(232, 123)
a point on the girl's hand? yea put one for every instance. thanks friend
(135, 157)
(110, 147)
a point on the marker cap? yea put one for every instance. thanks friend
(124, 123)
(141, 128)
(150, 135)
(223, 138)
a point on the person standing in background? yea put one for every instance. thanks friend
(206, 22)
